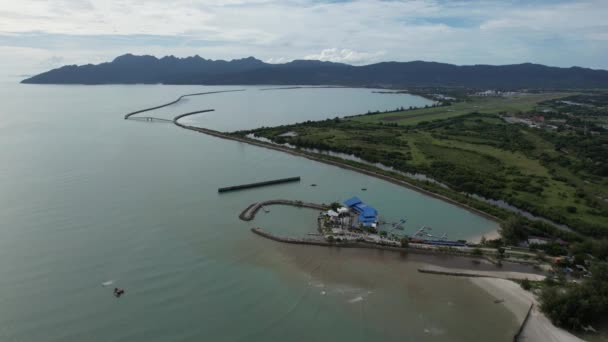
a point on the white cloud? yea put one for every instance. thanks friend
(357, 31)
(346, 56)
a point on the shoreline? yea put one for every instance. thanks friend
(491, 235)
(249, 213)
(537, 326)
(400, 181)
(459, 272)
(342, 165)
(361, 245)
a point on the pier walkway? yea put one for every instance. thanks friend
(150, 118)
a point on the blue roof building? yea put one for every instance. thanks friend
(368, 216)
(352, 201)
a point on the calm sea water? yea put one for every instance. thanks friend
(88, 197)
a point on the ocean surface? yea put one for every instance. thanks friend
(87, 198)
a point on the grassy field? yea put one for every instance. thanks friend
(486, 105)
(472, 153)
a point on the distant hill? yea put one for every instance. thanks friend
(130, 69)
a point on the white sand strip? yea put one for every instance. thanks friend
(538, 328)
(493, 235)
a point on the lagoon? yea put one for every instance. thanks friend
(89, 197)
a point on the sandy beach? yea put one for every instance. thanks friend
(538, 328)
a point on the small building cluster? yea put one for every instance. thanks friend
(366, 215)
(496, 93)
(539, 240)
(354, 221)
(354, 214)
(532, 121)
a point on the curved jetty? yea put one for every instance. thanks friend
(319, 241)
(299, 241)
(178, 99)
(341, 164)
(188, 114)
(249, 213)
(259, 184)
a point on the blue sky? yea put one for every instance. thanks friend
(36, 35)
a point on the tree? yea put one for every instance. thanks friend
(575, 306)
(540, 256)
(483, 240)
(501, 252)
(405, 242)
(600, 248)
(477, 251)
(335, 205)
(512, 230)
(526, 285)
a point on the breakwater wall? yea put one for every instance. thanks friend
(259, 184)
(367, 245)
(249, 213)
(188, 114)
(177, 100)
(299, 241)
(471, 273)
(455, 273)
(346, 166)
(391, 179)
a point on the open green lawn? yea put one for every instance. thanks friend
(487, 105)
(473, 153)
(558, 174)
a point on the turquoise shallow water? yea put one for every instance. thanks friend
(88, 197)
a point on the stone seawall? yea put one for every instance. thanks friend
(367, 245)
(259, 184)
(128, 115)
(249, 213)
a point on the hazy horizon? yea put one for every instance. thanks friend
(37, 36)
(159, 57)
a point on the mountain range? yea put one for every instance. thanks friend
(132, 69)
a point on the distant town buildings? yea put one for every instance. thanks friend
(534, 121)
(496, 93)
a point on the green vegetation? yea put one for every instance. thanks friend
(532, 285)
(512, 230)
(574, 306)
(541, 153)
(556, 174)
(485, 105)
(334, 206)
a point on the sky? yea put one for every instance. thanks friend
(36, 35)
